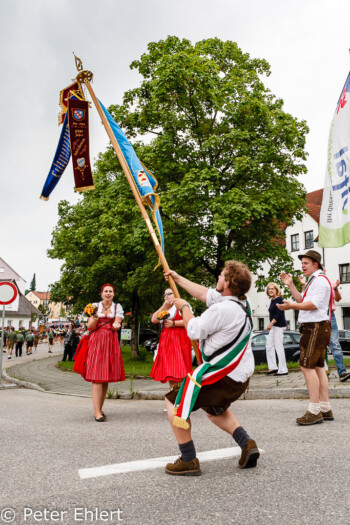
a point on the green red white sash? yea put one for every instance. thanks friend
(209, 372)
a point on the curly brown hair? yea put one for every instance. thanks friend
(239, 278)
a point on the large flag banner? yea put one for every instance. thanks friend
(78, 119)
(82, 174)
(334, 227)
(59, 162)
(144, 180)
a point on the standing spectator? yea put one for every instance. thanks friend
(19, 343)
(51, 336)
(315, 328)
(12, 338)
(29, 341)
(71, 342)
(36, 339)
(6, 335)
(276, 328)
(334, 342)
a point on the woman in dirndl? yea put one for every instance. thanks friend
(174, 357)
(104, 362)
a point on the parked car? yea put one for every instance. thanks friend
(291, 341)
(145, 334)
(151, 344)
(344, 339)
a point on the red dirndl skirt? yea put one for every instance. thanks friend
(174, 358)
(104, 362)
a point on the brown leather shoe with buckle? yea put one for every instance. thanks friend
(249, 456)
(180, 468)
(328, 416)
(310, 419)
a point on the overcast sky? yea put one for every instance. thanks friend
(306, 43)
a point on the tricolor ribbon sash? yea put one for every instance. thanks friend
(210, 371)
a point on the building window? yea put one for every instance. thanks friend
(346, 318)
(261, 323)
(344, 272)
(2, 269)
(294, 242)
(309, 239)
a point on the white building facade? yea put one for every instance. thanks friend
(300, 238)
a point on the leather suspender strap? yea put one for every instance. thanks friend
(229, 345)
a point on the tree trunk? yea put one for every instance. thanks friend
(134, 324)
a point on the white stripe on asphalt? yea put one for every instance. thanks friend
(153, 463)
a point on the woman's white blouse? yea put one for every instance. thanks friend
(116, 309)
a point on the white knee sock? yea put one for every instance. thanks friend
(314, 408)
(325, 406)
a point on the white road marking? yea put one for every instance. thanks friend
(153, 463)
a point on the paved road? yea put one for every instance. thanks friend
(302, 478)
(44, 372)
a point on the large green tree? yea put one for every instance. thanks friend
(227, 157)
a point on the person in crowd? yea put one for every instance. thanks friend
(19, 343)
(12, 338)
(51, 337)
(276, 327)
(224, 330)
(29, 342)
(104, 363)
(314, 306)
(174, 357)
(36, 339)
(334, 342)
(71, 342)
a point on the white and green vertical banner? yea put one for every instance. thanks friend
(334, 227)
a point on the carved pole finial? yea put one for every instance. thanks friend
(78, 63)
(83, 75)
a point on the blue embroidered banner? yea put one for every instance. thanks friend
(144, 180)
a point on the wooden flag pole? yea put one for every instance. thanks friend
(85, 77)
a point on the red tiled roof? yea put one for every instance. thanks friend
(313, 204)
(43, 296)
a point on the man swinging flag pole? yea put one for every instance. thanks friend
(85, 77)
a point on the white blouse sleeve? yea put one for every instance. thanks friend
(119, 311)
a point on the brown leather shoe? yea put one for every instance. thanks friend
(249, 456)
(328, 416)
(180, 468)
(310, 419)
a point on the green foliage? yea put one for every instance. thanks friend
(32, 287)
(227, 158)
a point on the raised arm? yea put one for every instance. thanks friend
(288, 281)
(165, 306)
(196, 290)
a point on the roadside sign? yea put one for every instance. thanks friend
(126, 334)
(8, 292)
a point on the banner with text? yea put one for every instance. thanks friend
(334, 227)
(78, 118)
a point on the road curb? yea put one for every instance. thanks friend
(249, 395)
(24, 384)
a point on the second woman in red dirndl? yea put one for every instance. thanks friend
(174, 357)
(104, 362)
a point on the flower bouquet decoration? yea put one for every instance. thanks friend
(90, 309)
(163, 316)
